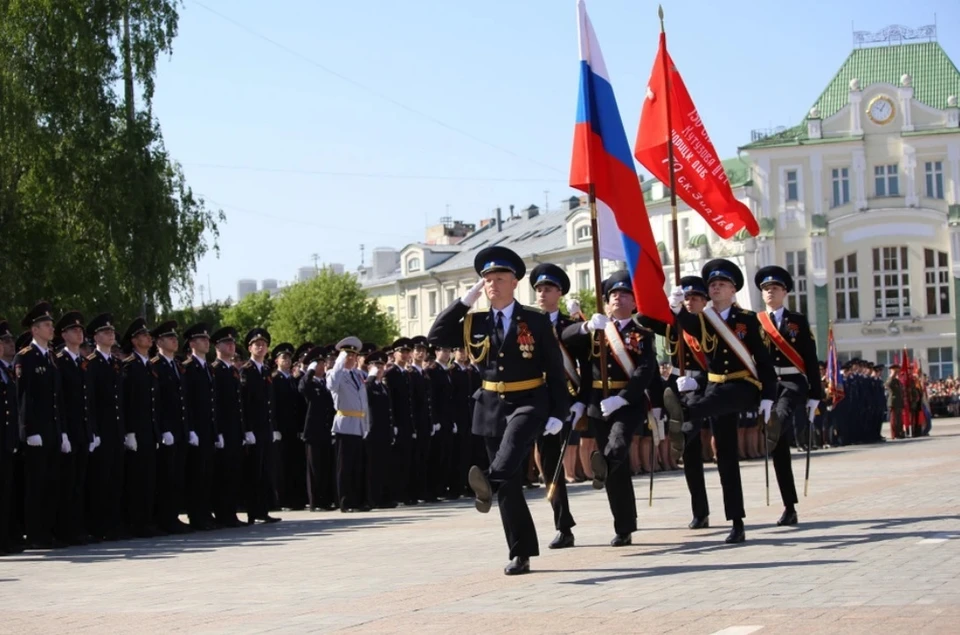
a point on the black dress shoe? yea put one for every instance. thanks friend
(699, 523)
(599, 466)
(517, 566)
(563, 540)
(789, 517)
(737, 535)
(269, 520)
(482, 490)
(621, 540)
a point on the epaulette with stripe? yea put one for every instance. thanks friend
(25, 350)
(155, 359)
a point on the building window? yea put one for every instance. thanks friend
(845, 356)
(891, 282)
(841, 186)
(793, 189)
(451, 296)
(940, 362)
(412, 306)
(798, 300)
(432, 303)
(583, 233)
(413, 264)
(938, 282)
(584, 278)
(847, 287)
(886, 180)
(892, 356)
(934, 173)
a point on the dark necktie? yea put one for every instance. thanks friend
(354, 378)
(498, 342)
(773, 318)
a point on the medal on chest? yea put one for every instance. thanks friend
(634, 342)
(741, 330)
(525, 340)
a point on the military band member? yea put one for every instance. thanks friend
(350, 425)
(794, 354)
(288, 449)
(523, 394)
(740, 373)
(397, 378)
(9, 441)
(551, 283)
(201, 401)
(258, 416)
(618, 409)
(380, 438)
(318, 432)
(231, 430)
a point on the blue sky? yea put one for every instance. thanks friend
(319, 126)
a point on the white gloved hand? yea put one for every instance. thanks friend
(611, 404)
(312, 366)
(92, 446)
(657, 414)
(573, 307)
(812, 405)
(436, 428)
(130, 442)
(655, 426)
(597, 322)
(373, 371)
(65, 447)
(249, 439)
(554, 426)
(766, 405)
(277, 436)
(96, 442)
(166, 438)
(218, 444)
(193, 440)
(342, 358)
(577, 410)
(34, 441)
(470, 297)
(394, 430)
(454, 428)
(676, 299)
(414, 435)
(333, 438)
(686, 384)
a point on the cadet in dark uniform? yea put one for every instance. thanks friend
(228, 458)
(523, 394)
(71, 527)
(9, 441)
(551, 283)
(201, 400)
(258, 417)
(461, 378)
(794, 355)
(318, 431)
(423, 422)
(288, 449)
(617, 413)
(38, 390)
(740, 373)
(397, 378)
(105, 480)
(380, 438)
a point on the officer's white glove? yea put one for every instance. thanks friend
(166, 439)
(414, 435)
(333, 438)
(312, 366)
(611, 404)
(470, 297)
(193, 439)
(577, 410)
(34, 441)
(812, 405)
(686, 384)
(130, 442)
(373, 371)
(342, 358)
(554, 426)
(655, 426)
(277, 436)
(657, 414)
(573, 307)
(676, 299)
(218, 444)
(65, 447)
(96, 442)
(249, 439)
(766, 405)
(436, 428)
(597, 322)
(394, 430)
(92, 446)
(454, 428)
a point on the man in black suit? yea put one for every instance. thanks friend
(619, 408)
(258, 416)
(9, 441)
(318, 431)
(794, 353)
(70, 526)
(228, 458)
(201, 402)
(288, 449)
(523, 394)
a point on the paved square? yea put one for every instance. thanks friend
(877, 551)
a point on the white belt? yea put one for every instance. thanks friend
(786, 370)
(686, 373)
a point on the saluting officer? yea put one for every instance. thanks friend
(618, 409)
(794, 354)
(9, 441)
(201, 400)
(228, 458)
(740, 373)
(551, 283)
(318, 431)
(523, 394)
(259, 420)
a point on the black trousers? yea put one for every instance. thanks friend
(402, 462)
(423, 486)
(320, 474)
(41, 481)
(438, 479)
(724, 402)
(613, 442)
(259, 483)
(171, 472)
(350, 481)
(227, 482)
(105, 488)
(71, 512)
(293, 493)
(377, 461)
(7, 509)
(550, 447)
(199, 480)
(790, 404)
(693, 473)
(508, 462)
(141, 483)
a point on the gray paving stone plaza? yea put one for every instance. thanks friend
(877, 551)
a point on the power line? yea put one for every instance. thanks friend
(370, 90)
(372, 175)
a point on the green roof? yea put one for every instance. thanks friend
(934, 75)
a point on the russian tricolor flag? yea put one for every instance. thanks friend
(602, 158)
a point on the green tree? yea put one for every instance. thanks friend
(254, 310)
(587, 299)
(210, 314)
(328, 308)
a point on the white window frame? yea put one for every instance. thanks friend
(840, 186)
(582, 233)
(791, 178)
(887, 173)
(937, 279)
(892, 356)
(432, 309)
(584, 275)
(413, 306)
(414, 264)
(799, 299)
(936, 364)
(933, 179)
(451, 296)
(846, 283)
(892, 256)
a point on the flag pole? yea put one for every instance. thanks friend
(597, 281)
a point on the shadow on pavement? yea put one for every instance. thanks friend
(614, 575)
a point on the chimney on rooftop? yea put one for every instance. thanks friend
(500, 220)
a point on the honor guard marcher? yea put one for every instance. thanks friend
(740, 374)
(201, 400)
(350, 425)
(794, 355)
(523, 392)
(228, 457)
(258, 416)
(318, 432)
(288, 449)
(617, 410)
(551, 283)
